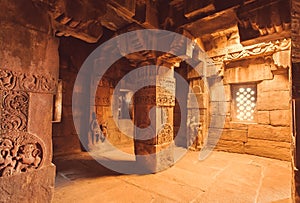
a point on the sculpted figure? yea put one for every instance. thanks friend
(195, 134)
(28, 157)
(98, 131)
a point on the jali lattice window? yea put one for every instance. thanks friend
(244, 102)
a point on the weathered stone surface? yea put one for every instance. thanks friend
(279, 83)
(196, 72)
(215, 179)
(230, 146)
(234, 135)
(267, 148)
(26, 187)
(275, 100)
(280, 117)
(253, 73)
(218, 91)
(237, 125)
(154, 158)
(197, 100)
(220, 108)
(263, 117)
(267, 132)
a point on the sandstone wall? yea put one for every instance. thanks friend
(29, 73)
(269, 134)
(266, 66)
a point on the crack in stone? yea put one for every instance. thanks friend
(262, 175)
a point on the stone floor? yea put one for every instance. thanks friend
(222, 177)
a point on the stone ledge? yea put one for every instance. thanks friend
(234, 135)
(270, 149)
(266, 132)
(230, 146)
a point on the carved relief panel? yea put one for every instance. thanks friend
(20, 151)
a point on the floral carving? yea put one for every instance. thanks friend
(14, 111)
(256, 50)
(7, 80)
(10, 80)
(20, 152)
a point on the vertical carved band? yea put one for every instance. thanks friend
(19, 150)
(14, 111)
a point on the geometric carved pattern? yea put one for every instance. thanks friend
(14, 111)
(10, 80)
(165, 100)
(20, 152)
(245, 103)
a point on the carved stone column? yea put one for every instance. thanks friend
(28, 78)
(153, 116)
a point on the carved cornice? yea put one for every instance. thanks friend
(260, 49)
(11, 80)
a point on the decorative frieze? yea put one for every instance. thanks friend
(255, 50)
(11, 80)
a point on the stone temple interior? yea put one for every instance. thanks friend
(150, 101)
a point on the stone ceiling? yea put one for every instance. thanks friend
(250, 21)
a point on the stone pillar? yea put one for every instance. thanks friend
(153, 117)
(296, 98)
(28, 78)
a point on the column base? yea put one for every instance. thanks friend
(154, 158)
(33, 186)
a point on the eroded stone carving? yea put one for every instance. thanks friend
(195, 141)
(256, 50)
(10, 80)
(20, 152)
(14, 111)
(149, 99)
(165, 134)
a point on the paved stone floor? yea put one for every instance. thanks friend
(222, 177)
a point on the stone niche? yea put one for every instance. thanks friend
(268, 134)
(105, 113)
(28, 79)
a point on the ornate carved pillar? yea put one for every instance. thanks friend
(153, 117)
(28, 78)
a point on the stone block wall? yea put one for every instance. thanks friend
(65, 137)
(264, 65)
(269, 134)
